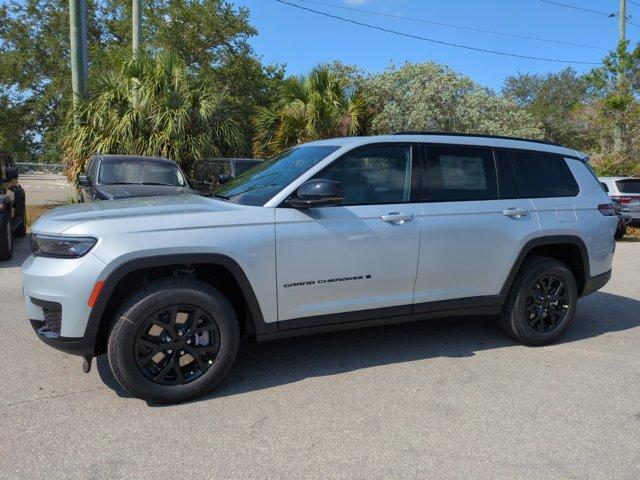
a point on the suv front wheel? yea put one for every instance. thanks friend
(542, 302)
(174, 340)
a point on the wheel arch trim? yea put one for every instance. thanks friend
(121, 271)
(548, 241)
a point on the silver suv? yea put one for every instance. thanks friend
(330, 235)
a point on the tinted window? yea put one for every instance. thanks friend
(629, 186)
(458, 174)
(373, 175)
(114, 172)
(507, 186)
(265, 180)
(542, 174)
(604, 187)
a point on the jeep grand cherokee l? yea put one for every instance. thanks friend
(329, 235)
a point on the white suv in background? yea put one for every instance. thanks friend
(330, 235)
(626, 192)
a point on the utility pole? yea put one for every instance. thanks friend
(79, 55)
(136, 16)
(619, 127)
(622, 32)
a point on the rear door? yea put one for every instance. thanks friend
(359, 257)
(473, 227)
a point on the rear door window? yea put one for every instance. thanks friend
(631, 185)
(542, 175)
(455, 174)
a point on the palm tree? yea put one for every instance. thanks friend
(152, 106)
(320, 105)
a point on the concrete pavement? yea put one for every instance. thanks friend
(450, 398)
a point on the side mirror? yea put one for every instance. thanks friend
(223, 178)
(84, 181)
(317, 193)
(12, 173)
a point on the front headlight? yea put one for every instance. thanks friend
(63, 247)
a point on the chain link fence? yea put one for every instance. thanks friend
(45, 184)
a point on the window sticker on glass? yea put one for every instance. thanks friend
(463, 172)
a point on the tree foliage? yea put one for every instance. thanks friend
(432, 97)
(322, 104)
(35, 86)
(156, 107)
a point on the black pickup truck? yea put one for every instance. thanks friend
(12, 205)
(109, 177)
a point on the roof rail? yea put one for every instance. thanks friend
(478, 135)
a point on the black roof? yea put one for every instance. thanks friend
(478, 135)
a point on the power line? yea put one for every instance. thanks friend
(580, 8)
(440, 42)
(441, 24)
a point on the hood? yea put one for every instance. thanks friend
(128, 191)
(137, 210)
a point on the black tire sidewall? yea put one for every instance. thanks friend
(6, 250)
(519, 321)
(121, 344)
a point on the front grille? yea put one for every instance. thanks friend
(52, 320)
(51, 324)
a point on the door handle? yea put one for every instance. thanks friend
(515, 212)
(396, 217)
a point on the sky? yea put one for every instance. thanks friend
(301, 39)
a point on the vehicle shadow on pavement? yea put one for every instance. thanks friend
(281, 362)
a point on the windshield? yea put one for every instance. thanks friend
(261, 183)
(141, 172)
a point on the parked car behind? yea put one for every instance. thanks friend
(108, 177)
(13, 221)
(625, 193)
(211, 173)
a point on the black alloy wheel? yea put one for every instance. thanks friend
(547, 303)
(177, 345)
(173, 340)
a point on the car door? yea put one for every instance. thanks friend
(474, 226)
(357, 260)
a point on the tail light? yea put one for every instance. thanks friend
(623, 200)
(607, 209)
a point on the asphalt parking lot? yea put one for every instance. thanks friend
(450, 398)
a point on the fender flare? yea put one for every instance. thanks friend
(548, 241)
(127, 267)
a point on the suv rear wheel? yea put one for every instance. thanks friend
(542, 302)
(174, 340)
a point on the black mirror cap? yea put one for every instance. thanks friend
(223, 178)
(84, 181)
(12, 173)
(318, 193)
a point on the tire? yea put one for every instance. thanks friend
(517, 318)
(6, 240)
(21, 231)
(141, 373)
(621, 231)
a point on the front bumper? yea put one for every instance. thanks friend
(64, 285)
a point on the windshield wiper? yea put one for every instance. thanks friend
(219, 195)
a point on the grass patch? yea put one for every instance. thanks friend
(34, 211)
(633, 234)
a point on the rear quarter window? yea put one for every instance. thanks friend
(541, 175)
